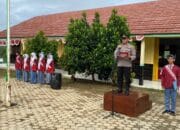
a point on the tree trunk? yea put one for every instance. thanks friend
(73, 77)
(93, 78)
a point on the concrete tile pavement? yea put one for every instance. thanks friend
(41, 108)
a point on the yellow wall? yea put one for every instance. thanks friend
(60, 49)
(152, 55)
(149, 50)
(23, 47)
(156, 60)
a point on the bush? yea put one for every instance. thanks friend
(3, 53)
(40, 43)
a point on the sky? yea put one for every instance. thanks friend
(22, 10)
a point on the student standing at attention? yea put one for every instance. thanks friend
(41, 68)
(26, 67)
(33, 68)
(18, 66)
(170, 80)
(49, 68)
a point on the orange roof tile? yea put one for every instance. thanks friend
(155, 17)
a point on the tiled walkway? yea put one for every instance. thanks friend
(41, 108)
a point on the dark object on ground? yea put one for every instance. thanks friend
(73, 78)
(56, 81)
(172, 113)
(132, 105)
(166, 111)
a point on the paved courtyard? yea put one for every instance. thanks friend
(77, 106)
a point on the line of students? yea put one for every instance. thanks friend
(33, 70)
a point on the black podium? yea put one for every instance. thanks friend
(56, 81)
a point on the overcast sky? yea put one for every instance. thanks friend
(24, 9)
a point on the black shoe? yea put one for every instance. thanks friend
(172, 113)
(166, 111)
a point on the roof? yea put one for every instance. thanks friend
(155, 17)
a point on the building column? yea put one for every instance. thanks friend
(141, 76)
(61, 47)
(156, 60)
(23, 46)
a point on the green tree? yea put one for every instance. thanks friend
(41, 43)
(77, 48)
(97, 44)
(116, 27)
(90, 48)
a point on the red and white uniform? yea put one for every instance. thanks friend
(41, 63)
(50, 65)
(33, 62)
(167, 79)
(26, 63)
(18, 63)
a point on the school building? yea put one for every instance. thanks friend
(154, 25)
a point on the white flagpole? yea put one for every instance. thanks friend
(8, 86)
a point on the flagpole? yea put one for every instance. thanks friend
(8, 86)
